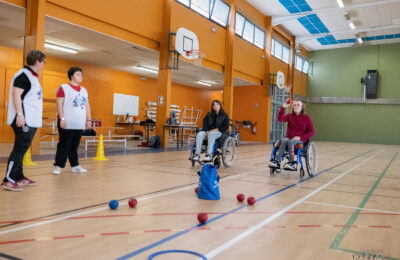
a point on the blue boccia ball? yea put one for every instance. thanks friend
(113, 204)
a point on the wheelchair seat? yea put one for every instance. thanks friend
(296, 147)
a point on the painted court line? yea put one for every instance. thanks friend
(162, 241)
(243, 235)
(122, 203)
(350, 207)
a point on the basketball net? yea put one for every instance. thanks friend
(196, 55)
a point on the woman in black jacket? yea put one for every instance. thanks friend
(215, 124)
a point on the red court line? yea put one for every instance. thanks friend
(380, 226)
(17, 241)
(66, 237)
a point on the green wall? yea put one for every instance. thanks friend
(337, 73)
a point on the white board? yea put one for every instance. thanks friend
(125, 104)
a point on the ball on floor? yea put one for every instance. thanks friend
(113, 204)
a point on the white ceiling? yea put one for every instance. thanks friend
(375, 20)
(102, 50)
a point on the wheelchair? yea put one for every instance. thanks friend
(308, 151)
(224, 150)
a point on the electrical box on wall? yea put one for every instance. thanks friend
(371, 84)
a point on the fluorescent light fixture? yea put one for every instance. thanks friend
(59, 48)
(352, 26)
(147, 69)
(360, 41)
(205, 83)
(340, 3)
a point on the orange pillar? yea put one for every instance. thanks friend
(164, 78)
(34, 40)
(266, 98)
(228, 68)
(291, 65)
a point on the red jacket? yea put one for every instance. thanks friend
(298, 125)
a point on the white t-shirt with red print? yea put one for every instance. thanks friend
(74, 108)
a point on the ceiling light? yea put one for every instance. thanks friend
(360, 41)
(205, 83)
(352, 26)
(340, 3)
(147, 69)
(59, 48)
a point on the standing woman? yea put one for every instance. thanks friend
(25, 116)
(73, 117)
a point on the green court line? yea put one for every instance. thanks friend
(339, 238)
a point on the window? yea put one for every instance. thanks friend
(306, 66)
(201, 6)
(278, 50)
(286, 54)
(215, 10)
(259, 38)
(239, 24)
(185, 2)
(249, 32)
(220, 12)
(299, 63)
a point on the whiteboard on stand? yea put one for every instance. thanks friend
(125, 104)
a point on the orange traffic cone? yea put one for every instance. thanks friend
(100, 150)
(27, 161)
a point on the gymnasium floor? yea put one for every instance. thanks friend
(352, 207)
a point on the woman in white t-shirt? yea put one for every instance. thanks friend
(73, 117)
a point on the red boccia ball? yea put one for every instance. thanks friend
(132, 202)
(240, 197)
(202, 217)
(251, 200)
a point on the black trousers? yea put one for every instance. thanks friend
(67, 147)
(23, 140)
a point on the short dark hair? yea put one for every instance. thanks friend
(34, 56)
(72, 71)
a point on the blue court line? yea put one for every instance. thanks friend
(162, 241)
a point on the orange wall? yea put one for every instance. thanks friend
(247, 106)
(101, 84)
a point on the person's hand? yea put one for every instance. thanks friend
(20, 122)
(287, 103)
(63, 124)
(88, 124)
(296, 138)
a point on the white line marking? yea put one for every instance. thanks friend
(350, 207)
(236, 239)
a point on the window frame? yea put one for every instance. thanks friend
(254, 31)
(212, 5)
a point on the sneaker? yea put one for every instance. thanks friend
(273, 164)
(78, 169)
(290, 166)
(57, 170)
(208, 158)
(26, 182)
(196, 157)
(11, 186)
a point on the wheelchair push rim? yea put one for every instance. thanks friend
(311, 159)
(228, 152)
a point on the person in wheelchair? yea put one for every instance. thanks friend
(299, 130)
(215, 124)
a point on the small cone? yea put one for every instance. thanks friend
(100, 150)
(27, 161)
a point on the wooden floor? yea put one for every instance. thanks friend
(351, 207)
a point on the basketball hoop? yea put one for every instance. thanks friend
(196, 55)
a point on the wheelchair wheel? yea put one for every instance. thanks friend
(311, 159)
(228, 151)
(217, 162)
